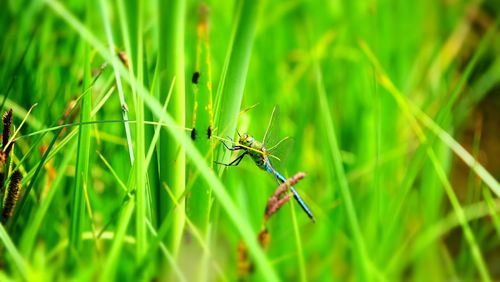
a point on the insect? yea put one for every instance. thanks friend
(261, 156)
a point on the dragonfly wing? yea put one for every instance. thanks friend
(278, 148)
(270, 127)
(280, 154)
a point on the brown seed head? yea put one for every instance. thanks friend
(7, 122)
(12, 196)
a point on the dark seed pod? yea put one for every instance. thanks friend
(209, 132)
(7, 122)
(196, 77)
(12, 196)
(193, 134)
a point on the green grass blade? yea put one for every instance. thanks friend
(468, 159)
(107, 27)
(172, 157)
(82, 163)
(113, 258)
(234, 73)
(359, 243)
(198, 202)
(33, 227)
(20, 264)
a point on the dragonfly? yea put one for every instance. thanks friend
(261, 156)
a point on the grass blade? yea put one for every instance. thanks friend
(173, 160)
(359, 242)
(232, 82)
(82, 161)
(21, 265)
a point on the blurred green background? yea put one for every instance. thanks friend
(393, 107)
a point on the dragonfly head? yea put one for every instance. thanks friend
(246, 140)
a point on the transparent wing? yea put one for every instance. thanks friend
(278, 147)
(270, 135)
(280, 154)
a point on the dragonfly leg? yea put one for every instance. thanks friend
(234, 148)
(235, 162)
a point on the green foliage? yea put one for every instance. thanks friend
(379, 97)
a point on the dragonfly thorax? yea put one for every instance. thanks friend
(246, 140)
(254, 147)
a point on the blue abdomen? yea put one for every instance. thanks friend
(267, 167)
